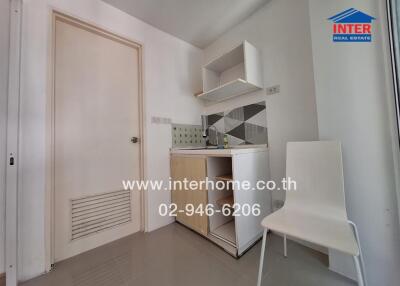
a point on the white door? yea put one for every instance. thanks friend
(96, 113)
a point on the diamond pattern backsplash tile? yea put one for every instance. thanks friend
(244, 125)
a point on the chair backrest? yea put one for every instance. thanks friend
(317, 169)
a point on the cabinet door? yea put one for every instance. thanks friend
(193, 169)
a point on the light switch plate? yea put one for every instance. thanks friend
(273, 89)
(160, 120)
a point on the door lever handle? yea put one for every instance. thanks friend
(134, 140)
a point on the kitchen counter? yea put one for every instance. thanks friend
(244, 163)
(219, 152)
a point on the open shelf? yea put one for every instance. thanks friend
(237, 72)
(222, 227)
(228, 60)
(224, 177)
(231, 89)
(228, 247)
(226, 232)
(226, 201)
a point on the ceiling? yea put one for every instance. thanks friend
(198, 22)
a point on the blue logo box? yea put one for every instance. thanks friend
(352, 25)
(352, 38)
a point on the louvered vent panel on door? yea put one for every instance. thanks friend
(96, 213)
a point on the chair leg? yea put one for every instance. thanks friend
(284, 245)
(359, 248)
(260, 269)
(360, 278)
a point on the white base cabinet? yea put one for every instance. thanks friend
(232, 170)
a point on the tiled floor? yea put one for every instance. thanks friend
(176, 256)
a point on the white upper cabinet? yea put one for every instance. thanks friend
(236, 72)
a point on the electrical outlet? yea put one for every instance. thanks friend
(155, 120)
(166, 120)
(160, 120)
(273, 89)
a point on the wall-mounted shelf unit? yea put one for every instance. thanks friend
(237, 72)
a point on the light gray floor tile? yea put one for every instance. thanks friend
(176, 256)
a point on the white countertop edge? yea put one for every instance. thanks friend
(218, 152)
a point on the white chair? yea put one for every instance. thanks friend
(315, 211)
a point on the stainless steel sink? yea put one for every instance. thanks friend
(221, 148)
(200, 148)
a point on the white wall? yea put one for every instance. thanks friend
(351, 91)
(4, 34)
(281, 31)
(172, 75)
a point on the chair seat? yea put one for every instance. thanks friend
(327, 232)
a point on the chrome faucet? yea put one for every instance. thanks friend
(216, 133)
(206, 128)
(204, 125)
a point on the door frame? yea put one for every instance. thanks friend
(12, 143)
(55, 15)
